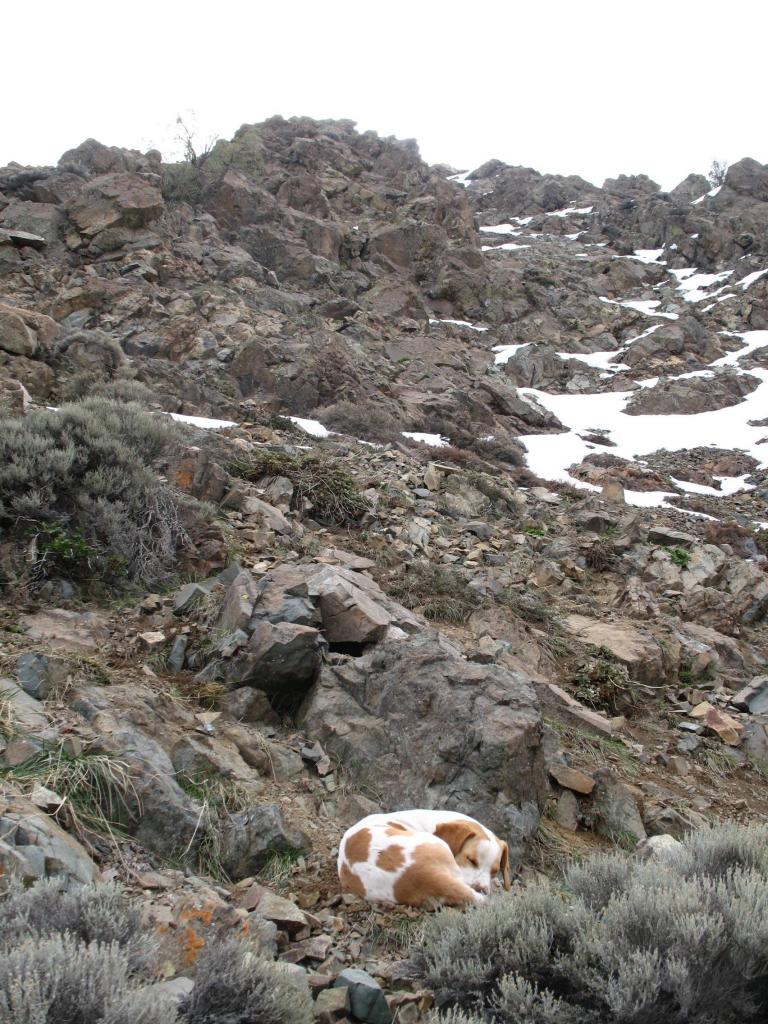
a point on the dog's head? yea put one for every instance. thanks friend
(478, 853)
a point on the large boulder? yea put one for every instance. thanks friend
(425, 728)
(15, 337)
(119, 200)
(281, 659)
(253, 836)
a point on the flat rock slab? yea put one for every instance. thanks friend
(572, 778)
(65, 630)
(638, 651)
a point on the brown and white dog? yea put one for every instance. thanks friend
(421, 857)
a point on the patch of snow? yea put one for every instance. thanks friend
(745, 282)
(574, 236)
(505, 352)
(460, 323)
(645, 306)
(568, 210)
(550, 455)
(694, 286)
(313, 427)
(754, 340)
(645, 256)
(728, 485)
(647, 499)
(433, 440)
(508, 246)
(502, 229)
(201, 421)
(600, 360)
(461, 179)
(712, 192)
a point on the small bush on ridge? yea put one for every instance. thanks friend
(438, 593)
(320, 482)
(80, 480)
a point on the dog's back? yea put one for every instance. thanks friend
(402, 858)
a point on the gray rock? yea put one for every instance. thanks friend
(426, 728)
(754, 739)
(62, 629)
(754, 697)
(190, 596)
(366, 999)
(33, 846)
(38, 674)
(27, 716)
(252, 836)
(178, 653)
(283, 658)
(614, 808)
(567, 811)
(165, 818)
(239, 599)
(671, 538)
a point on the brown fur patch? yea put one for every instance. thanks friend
(505, 864)
(394, 828)
(431, 876)
(391, 858)
(358, 846)
(350, 882)
(457, 833)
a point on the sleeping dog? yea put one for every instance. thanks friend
(420, 858)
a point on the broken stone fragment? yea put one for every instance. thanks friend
(366, 998)
(572, 778)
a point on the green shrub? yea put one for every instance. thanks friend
(235, 986)
(438, 593)
(680, 556)
(321, 486)
(78, 483)
(683, 938)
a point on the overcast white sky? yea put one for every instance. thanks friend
(590, 87)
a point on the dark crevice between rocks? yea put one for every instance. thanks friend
(353, 649)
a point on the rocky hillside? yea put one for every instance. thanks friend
(464, 506)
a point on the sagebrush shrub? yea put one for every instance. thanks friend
(364, 419)
(235, 986)
(81, 956)
(85, 471)
(678, 939)
(47, 981)
(88, 913)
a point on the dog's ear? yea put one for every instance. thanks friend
(505, 863)
(456, 833)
